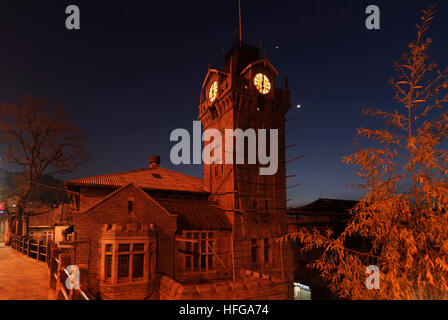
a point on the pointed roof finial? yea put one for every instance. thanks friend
(241, 27)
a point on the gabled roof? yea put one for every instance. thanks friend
(324, 207)
(148, 179)
(266, 62)
(196, 214)
(113, 194)
(210, 71)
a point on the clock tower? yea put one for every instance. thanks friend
(242, 95)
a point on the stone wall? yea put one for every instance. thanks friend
(252, 286)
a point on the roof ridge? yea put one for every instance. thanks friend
(133, 171)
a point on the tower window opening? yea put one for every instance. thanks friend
(266, 250)
(254, 250)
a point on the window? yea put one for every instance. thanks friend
(199, 254)
(123, 261)
(129, 261)
(188, 252)
(266, 250)
(108, 261)
(47, 236)
(254, 250)
(130, 206)
(137, 266)
(196, 252)
(108, 266)
(138, 260)
(210, 252)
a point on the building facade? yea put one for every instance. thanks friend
(158, 234)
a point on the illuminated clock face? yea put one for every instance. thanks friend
(213, 93)
(262, 83)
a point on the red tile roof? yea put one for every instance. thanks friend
(149, 179)
(196, 214)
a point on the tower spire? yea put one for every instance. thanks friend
(241, 29)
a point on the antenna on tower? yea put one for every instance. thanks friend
(241, 29)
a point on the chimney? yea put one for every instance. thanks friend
(154, 162)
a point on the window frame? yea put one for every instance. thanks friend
(148, 251)
(266, 250)
(207, 256)
(254, 251)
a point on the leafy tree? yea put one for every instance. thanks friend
(36, 137)
(403, 219)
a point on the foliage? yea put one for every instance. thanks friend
(402, 223)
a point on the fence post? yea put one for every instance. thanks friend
(38, 250)
(53, 268)
(58, 275)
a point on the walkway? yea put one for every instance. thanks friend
(23, 278)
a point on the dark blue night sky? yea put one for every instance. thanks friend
(134, 71)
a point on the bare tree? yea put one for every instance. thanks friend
(36, 137)
(404, 215)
